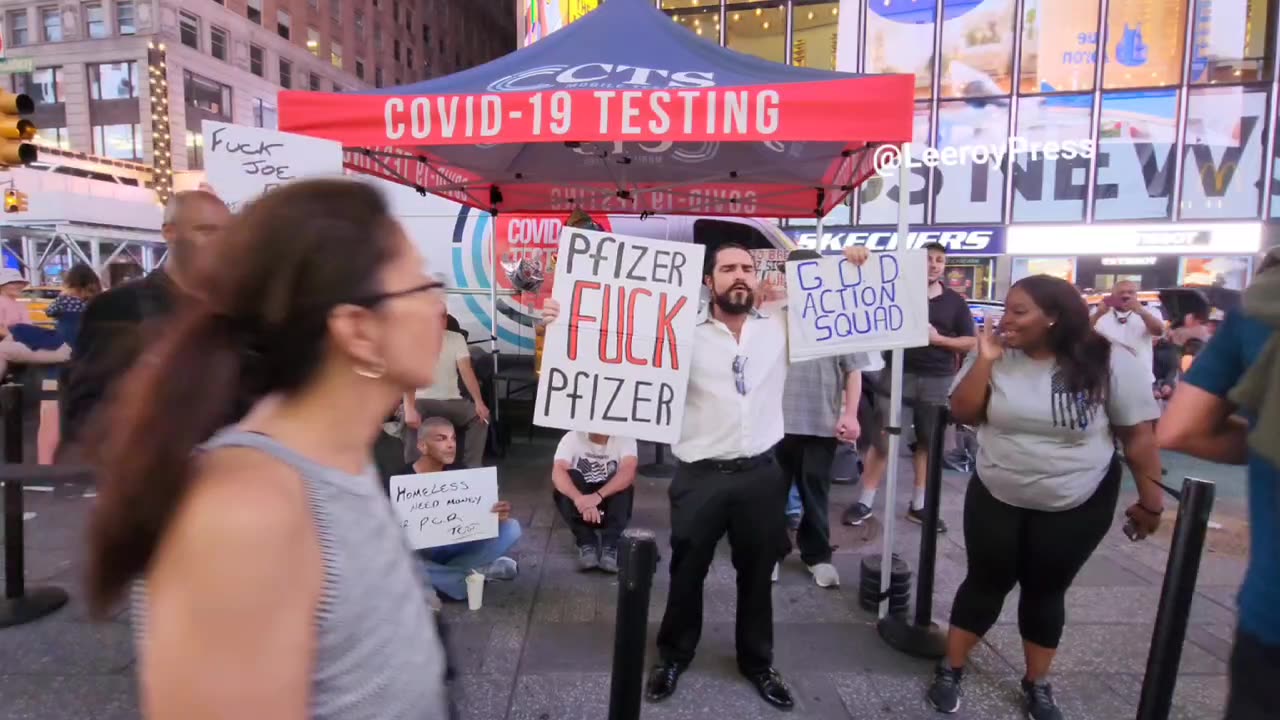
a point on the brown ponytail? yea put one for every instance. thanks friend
(261, 328)
(145, 452)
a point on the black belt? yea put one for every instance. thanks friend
(736, 465)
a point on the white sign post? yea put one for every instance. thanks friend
(446, 508)
(834, 308)
(241, 163)
(616, 361)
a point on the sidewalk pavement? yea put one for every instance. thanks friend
(541, 647)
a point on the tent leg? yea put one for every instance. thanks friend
(895, 404)
(493, 314)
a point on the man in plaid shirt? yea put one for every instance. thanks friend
(819, 410)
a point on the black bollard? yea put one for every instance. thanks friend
(1179, 588)
(19, 605)
(659, 468)
(921, 636)
(637, 563)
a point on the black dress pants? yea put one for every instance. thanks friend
(747, 500)
(806, 461)
(615, 513)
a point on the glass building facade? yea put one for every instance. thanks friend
(1180, 113)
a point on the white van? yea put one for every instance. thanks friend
(455, 241)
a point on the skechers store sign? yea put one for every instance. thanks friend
(957, 240)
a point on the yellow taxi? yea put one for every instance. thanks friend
(37, 299)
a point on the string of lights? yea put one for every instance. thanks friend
(161, 141)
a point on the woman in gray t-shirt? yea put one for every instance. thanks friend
(1049, 396)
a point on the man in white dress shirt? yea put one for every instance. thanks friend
(728, 480)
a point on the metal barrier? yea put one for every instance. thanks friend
(921, 636)
(20, 604)
(1195, 504)
(637, 563)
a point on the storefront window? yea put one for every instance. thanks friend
(969, 182)
(1223, 152)
(814, 32)
(1229, 42)
(704, 23)
(1229, 272)
(900, 40)
(977, 48)
(761, 31)
(1145, 39)
(1059, 267)
(1059, 45)
(878, 194)
(1136, 155)
(1049, 181)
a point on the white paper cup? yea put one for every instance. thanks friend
(475, 590)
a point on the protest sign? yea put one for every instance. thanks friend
(241, 162)
(617, 359)
(834, 307)
(770, 266)
(446, 508)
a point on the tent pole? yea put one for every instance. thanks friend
(895, 399)
(493, 310)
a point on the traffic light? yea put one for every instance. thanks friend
(15, 201)
(16, 132)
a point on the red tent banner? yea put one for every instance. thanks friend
(623, 111)
(811, 111)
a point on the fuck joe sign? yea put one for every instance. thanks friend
(616, 361)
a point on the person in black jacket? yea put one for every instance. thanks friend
(120, 323)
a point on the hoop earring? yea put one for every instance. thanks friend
(375, 373)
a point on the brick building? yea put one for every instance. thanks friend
(224, 60)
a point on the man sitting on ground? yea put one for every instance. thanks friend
(593, 477)
(447, 566)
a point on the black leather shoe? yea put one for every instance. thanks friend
(662, 680)
(771, 687)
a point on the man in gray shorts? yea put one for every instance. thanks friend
(927, 374)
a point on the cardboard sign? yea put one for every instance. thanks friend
(241, 163)
(770, 266)
(616, 361)
(446, 508)
(834, 308)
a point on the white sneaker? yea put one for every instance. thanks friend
(825, 575)
(774, 577)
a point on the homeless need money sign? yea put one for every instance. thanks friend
(616, 361)
(834, 307)
(446, 508)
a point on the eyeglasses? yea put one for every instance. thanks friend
(379, 298)
(740, 374)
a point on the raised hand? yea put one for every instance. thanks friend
(550, 310)
(990, 346)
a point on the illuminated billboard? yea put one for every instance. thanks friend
(540, 18)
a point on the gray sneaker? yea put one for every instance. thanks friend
(856, 514)
(609, 559)
(1037, 701)
(504, 568)
(944, 693)
(588, 557)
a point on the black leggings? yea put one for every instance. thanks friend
(1038, 550)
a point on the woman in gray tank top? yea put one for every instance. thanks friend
(270, 577)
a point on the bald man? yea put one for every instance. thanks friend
(117, 326)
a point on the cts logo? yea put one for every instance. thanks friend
(963, 241)
(603, 76)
